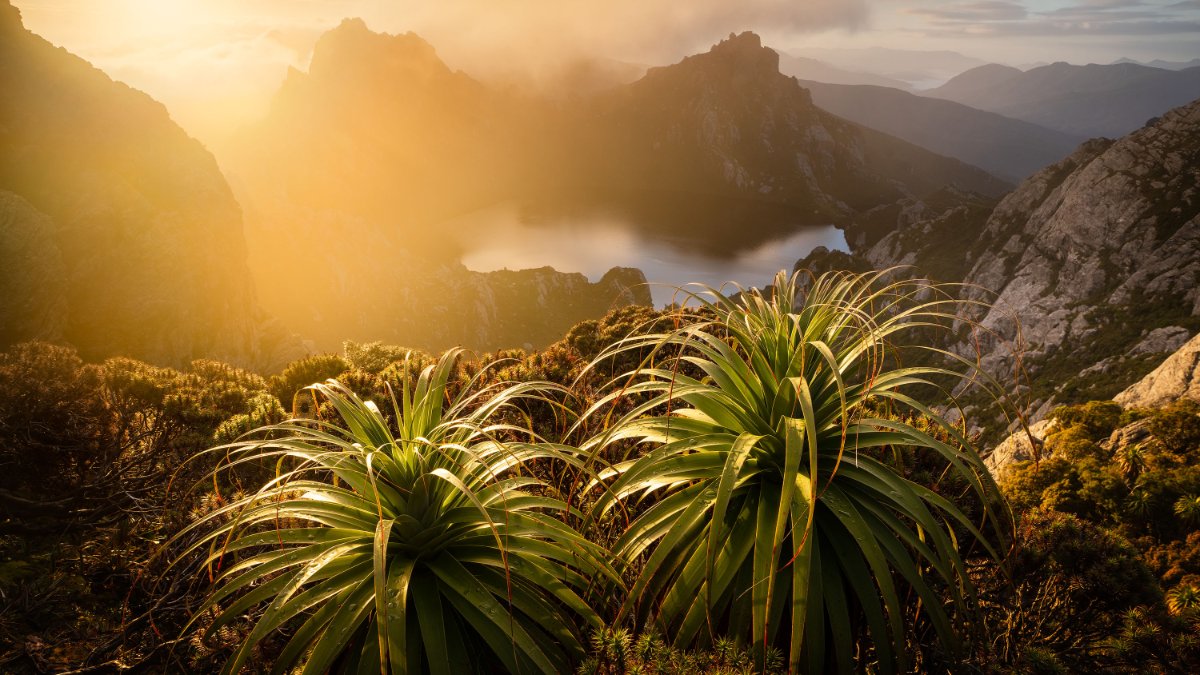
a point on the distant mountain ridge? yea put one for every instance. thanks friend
(803, 68)
(1092, 100)
(1009, 148)
(1160, 63)
(727, 121)
(918, 68)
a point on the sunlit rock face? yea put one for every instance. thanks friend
(1176, 378)
(1093, 255)
(1087, 275)
(150, 255)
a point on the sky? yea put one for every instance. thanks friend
(215, 63)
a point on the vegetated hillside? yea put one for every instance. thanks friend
(1098, 257)
(121, 234)
(362, 157)
(1092, 100)
(33, 277)
(1110, 509)
(1103, 574)
(1009, 148)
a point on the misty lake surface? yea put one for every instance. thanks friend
(725, 244)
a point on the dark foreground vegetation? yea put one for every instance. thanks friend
(742, 488)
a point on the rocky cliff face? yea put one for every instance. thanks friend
(346, 184)
(446, 304)
(145, 257)
(1091, 267)
(1098, 257)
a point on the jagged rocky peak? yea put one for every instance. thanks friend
(740, 58)
(354, 66)
(345, 49)
(743, 52)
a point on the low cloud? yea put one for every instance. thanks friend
(1113, 18)
(652, 31)
(991, 10)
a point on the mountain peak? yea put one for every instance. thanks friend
(739, 58)
(746, 40)
(744, 51)
(353, 47)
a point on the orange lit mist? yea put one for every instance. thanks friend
(215, 63)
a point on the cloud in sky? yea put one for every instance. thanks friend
(1014, 18)
(989, 10)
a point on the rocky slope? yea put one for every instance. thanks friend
(1092, 100)
(124, 224)
(1097, 258)
(1175, 379)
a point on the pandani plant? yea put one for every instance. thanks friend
(421, 546)
(762, 501)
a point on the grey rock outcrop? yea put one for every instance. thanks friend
(1178, 377)
(1095, 257)
(1086, 276)
(1021, 446)
(1130, 434)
